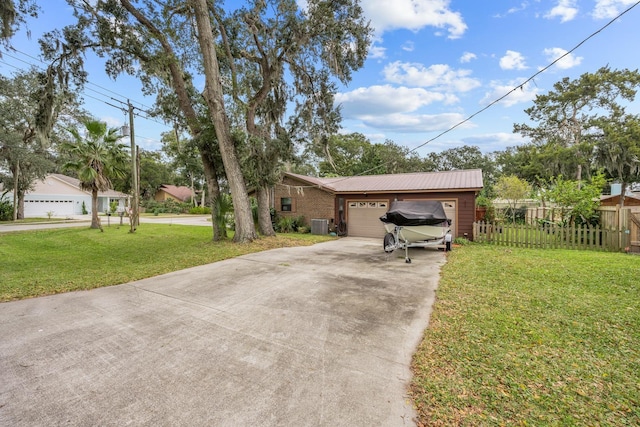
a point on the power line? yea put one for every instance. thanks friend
(491, 104)
(90, 83)
(450, 129)
(143, 107)
(521, 85)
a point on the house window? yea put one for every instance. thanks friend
(285, 204)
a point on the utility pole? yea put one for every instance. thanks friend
(134, 215)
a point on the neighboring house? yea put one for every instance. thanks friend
(616, 199)
(361, 200)
(61, 196)
(173, 192)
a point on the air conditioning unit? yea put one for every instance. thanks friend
(319, 226)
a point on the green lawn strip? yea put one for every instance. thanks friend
(45, 262)
(532, 337)
(35, 220)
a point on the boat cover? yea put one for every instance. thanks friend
(416, 212)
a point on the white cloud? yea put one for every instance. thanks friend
(607, 9)
(515, 9)
(512, 60)
(408, 46)
(439, 76)
(380, 100)
(522, 93)
(377, 52)
(565, 9)
(394, 109)
(565, 63)
(112, 122)
(414, 123)
(413, 15)
(467, 57)
(495, 141)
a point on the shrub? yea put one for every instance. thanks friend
(222, 215)
(303, 230)
(518, 214)
(6, 210)
(490, 214)
(483, 201)
(461, 241)
(200, 210)
(166, 206)
(84, 208)
(285, 224)
(299, 222)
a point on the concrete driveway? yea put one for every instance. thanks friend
(308, 336)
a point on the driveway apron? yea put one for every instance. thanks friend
(307, 336)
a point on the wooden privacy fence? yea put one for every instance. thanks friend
(634, 232)
(552, 236)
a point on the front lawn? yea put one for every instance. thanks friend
(44, 262)
(532, 337)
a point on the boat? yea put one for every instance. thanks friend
(415, 223)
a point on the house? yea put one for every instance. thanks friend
(173, 192)
(61, 196)
(361, 200)
(630, 199)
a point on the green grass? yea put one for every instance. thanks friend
(33, 220)
(532, 337)
(45, 262)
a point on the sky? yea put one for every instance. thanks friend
(433, 66)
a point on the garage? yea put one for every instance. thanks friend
(363, 218)
(362, 200)
(42, 208)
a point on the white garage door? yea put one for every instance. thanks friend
(450, 211)
(41, 208)
(363, 218)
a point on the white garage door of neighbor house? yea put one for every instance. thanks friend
(42, 208)
(363, 218)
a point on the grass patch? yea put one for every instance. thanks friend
(34, 220)
(532, 337)
(45, 262)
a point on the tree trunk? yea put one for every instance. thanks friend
(579, 176)
(213, 193)
(264, 212)
(95, 221)
(182, 89)
(16, 175)
(20, 209)
(213, 94)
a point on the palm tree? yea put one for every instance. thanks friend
(96, 157)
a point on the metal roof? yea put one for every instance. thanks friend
(456, 180)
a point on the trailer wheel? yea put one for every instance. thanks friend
(389, 242)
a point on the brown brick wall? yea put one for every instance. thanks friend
(314, 203)
(310, 202)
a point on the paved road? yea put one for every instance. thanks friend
(309, 336)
